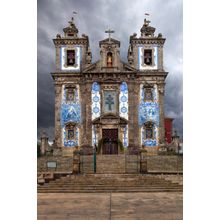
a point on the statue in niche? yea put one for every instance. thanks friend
(149, 130)
(109, 59)
(70, 130)
(70, 93)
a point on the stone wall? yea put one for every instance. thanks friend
(158, 163)
(64, 164)
(165, 163)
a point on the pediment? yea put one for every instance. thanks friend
(127, 67)
(110, 118)
(96, 68)
(92, 67)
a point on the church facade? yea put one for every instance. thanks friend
(110, 104)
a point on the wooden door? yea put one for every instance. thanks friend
(110, 141)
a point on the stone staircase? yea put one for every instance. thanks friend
(90, 183)
(110, 164)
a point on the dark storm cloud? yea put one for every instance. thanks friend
(93, 18)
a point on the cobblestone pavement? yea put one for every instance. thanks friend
(104, 206)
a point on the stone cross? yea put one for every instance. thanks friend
(109, 102)
(109, 31)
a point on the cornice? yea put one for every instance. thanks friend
(69, 41)
(152, 40)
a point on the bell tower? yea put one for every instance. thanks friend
(146, 52)
(72, 52)
(110, 53)
(73, 55)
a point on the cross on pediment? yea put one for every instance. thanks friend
(109, 102)
(109, 32)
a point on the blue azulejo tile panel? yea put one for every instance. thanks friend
(94, 136)
(154, 93)
(125, 136)
(149, 142)
(123, 100)
(148, 111)
(71, 143)
(70, 111)
(96, 101)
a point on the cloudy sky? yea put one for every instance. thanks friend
(125, 18)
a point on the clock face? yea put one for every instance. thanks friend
(70, 58)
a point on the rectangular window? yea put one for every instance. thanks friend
(71, 59)
(148, 57)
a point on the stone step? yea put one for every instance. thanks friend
(110, 182)
(114, 184)
(107, 190)
(108, 187)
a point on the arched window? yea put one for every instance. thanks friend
(109, 59)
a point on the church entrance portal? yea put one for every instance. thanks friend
(110, 141)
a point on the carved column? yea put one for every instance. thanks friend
(58, 98)
(161, 106)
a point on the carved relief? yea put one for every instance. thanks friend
(161, 88)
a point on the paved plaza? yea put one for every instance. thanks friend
(103, 206)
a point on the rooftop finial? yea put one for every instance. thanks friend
(72, 18)
(145, 20)
(74, 12)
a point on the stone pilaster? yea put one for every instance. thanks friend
(83, 95)
(57, 58)
(161, 106)
(160, 57)
(58, 99)
(133, 128)
(86, 127)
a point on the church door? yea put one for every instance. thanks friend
(110, 141)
